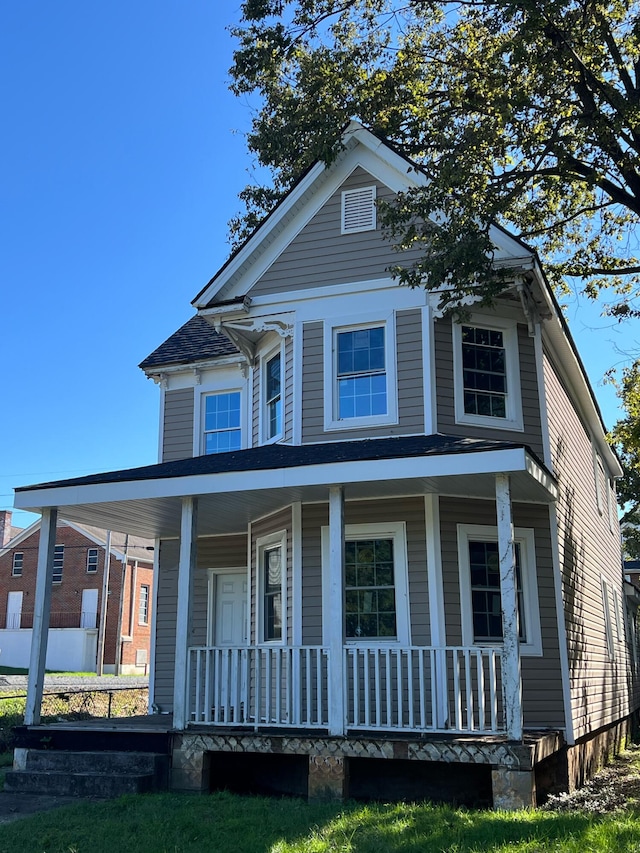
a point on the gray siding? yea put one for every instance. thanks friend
(288, 390)
(532, 434)
(177, 434)
(255, 404)
(541, 678)
(588, 551)
(320, 255)
(409, 378)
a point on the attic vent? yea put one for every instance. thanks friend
(359, 210)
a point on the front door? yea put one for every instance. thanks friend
(230, 610)
(89, 613)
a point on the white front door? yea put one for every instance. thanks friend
(230, 609)
(14, 609)
(89, 615)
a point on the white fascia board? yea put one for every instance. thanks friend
(362, 471)
(20, 537)
(392, 171)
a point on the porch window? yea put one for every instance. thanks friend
(222, 431)
(272, 585)
(273, 397)
(370, 600)
(480, 602)
(487, 377)
(18, 560)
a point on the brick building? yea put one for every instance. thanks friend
(78, 635)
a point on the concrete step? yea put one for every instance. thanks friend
(77, 784)
(93, 762)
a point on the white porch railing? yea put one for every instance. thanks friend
(410, 689)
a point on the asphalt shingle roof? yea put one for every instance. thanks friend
(195, 341)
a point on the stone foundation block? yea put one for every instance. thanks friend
(513, 789)
(189, 771)
(327, 778)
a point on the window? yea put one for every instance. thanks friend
(221, 416)
(487, 381)
(375, 582)
(143, 605)
(358, 210)
(92, 560)
(608, 628)
(271, 559)
(478, 561)
(16, 569)
(272, 397)
(600, 480)
(58, 563)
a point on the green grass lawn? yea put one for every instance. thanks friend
(225, 823)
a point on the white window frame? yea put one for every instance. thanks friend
(198, 420)
(364, 196)
(264, 413)
(95, 552)
(525, 538)
(145, 620)
(58, 550)
(608, 625)
(509, 328)
(267, 543)
(331, 332)
(14, 564)
(397, 531)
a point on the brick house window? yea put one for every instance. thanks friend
(58, 563)
(92, 560)
(143, 605)
(16, 569)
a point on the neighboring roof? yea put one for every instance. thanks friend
(196, 340)
(137, 547)
(279, 456)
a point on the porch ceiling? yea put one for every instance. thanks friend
(147, 502)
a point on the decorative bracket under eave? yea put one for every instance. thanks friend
(237, 330)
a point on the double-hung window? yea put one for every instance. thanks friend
(221, 420)
(271, 553)
(272, 391)
(360, 378)
(18, 560)
(143, 605)
(58, 563)
(480, 595)
(487, 376)
(92, 560)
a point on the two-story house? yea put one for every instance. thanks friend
(100, 605)
(388, 542)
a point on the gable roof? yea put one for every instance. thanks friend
(195, 341)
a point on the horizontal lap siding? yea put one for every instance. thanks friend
(288, 390)
(314, 517)
(541, 676)
(320, 255)
(177, 433)
(532, 434)
(255, 405)
(410, 385)
(588, 550)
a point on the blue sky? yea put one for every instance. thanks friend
(121, 156)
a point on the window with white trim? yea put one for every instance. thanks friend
(272, 385)
(480, 599)
(375, 582)
(222, 431)
(58, 563)
(92, 560)
(271, 553)
(608, 626)
(358, 210)
(143, 605)
(487, 373)
(18, 561)
(360, 376)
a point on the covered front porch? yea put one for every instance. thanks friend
(338, 686)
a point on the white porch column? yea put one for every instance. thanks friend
(334, 619)
(41, 614)
(511, 677)
(186, 567)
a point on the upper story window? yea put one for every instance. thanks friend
(272, 391)
(480, 597)
(58, 563)
(92, 560)
(360, 386)
(487, 374)
(16, 568)
(358, 210)
(221, 416)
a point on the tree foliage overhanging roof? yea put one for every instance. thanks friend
(526, 114)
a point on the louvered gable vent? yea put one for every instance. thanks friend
(359, 210)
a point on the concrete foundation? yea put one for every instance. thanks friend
(513, 789)
(328, 778)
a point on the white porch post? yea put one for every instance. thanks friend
(186, 566)
(511, 677)
(334, 619)
(41, 614)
